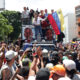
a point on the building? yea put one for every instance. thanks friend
(2, 5)
(70, 27)
(77, 13)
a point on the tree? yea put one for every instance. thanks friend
(5, 28)
(14, 19)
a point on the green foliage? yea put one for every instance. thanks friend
(14, 19)
(5, 28)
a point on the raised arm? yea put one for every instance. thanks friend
(33, 67)
(25, 53)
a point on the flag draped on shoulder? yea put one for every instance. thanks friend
(53, 24)
(61, 18)
(56, 18)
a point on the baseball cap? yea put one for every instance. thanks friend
(35, 41)
(64, 57)
(49, 65)
(21, 50)
(10, 54)
(59, 70)
(44, 51)
(69, 64)
(43, 41)
(26, 60)
(43, 74)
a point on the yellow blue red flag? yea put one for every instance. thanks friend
(61, 18)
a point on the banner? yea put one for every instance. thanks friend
(49, 34)
(53, 24)
(28, 32)
(61, 17)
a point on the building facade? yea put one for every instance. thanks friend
(77, 13)
(2, 5)
(70, 27)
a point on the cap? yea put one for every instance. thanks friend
(10, 54)
(59, 70)
(69, 64)
(35, 41)
(45, 51)
(49, 65)
(26, 60)
(43, 41)
(64, 58)
(43, 74)
(21, 50)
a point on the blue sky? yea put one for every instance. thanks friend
(67, 6)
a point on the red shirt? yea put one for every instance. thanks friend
(44, 24)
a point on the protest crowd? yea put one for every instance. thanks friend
(36, 63)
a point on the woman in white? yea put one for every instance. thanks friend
(37, 23)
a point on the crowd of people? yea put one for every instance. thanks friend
(39, 20)
(42, 26)
(62, 63)
(37, 63)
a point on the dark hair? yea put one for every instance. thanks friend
(43, 74)
(25, 63)
(55, 58)
(67, 53)
(8, 60)
(74, 55)
(36, 13)
(24, 71)
(79, 33)
(27, 8)
(71, 73)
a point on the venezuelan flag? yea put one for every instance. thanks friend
(61, 17)
(56, 18)
(53, 24)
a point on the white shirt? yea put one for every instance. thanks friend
(25, 14)
(38, 22)
(31, 78)
(64, 78)
(5, 66)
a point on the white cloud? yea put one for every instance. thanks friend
(65, 5)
